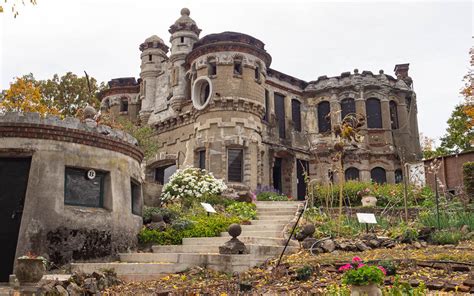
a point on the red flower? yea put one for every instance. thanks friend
(382, 269)
(360, 265)
(356, 259)
(345, 267)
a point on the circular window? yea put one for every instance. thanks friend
(201, 92)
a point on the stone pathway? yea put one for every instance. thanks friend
(264, 238)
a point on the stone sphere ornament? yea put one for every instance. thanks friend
(234, 230)
(89, 112)
(309, 229)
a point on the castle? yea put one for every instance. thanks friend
(216, 104)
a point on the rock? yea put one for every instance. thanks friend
(423, 244)
(342, 246)
(74, 290)
(369, 201)
(425, 233)
(308, 242)
(460, 267)
(373, 243)
(309, 229)
(465, 229)
(156, 217)
(469, 282)
(90, 285)
(463, 288)
(160, 226)
(300, 236)
(328, 245)
(362, 247)
(424, 264)
(469, 236)
(61, 291)
(368, 236)
(417, 245)
(233, 246)
(435, 285)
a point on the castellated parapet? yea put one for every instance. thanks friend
(216, 103)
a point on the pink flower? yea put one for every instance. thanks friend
(345, 267)
(360, 265)
(356, 259)
(382, 269)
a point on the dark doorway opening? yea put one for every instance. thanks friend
(277, 184)
(302, 167)
(13, 182)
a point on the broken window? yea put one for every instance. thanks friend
(202, 159)
(374, 113)
(84, 187)
(182, 40)
(235, 158)
(347, 107)
(378, 175)
(257, 73)
(237, 66)
(324, 117)
(394, 115)
(123, 105)
(211, 67)
(352, 173)
(135, 192)
(280, 114)
(163, 173)
(398, 176)
(296, 114)
(266, 116)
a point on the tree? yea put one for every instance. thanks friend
(25, 96)
(467, 91)
(460, 133)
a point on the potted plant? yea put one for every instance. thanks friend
(363, 279)
(30, 268)
(366, 198)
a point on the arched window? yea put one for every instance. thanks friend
(394, 115)
(374, 113)
(378, 175)
(324, 119)
(296, 114)
(398, 176)
(347, 107)
(352, 173)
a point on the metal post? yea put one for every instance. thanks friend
(405, 190)
(292, 232)
(437, 199)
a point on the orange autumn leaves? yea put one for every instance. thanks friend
(24, 96)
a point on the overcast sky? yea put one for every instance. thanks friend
(306, 40)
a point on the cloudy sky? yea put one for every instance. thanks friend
(306, 39)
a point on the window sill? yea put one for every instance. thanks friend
(123, 112)
(212, 76)
(86, 209)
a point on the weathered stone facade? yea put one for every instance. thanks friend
(215, 95)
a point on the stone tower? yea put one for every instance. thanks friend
(184, 33)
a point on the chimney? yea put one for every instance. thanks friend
(401, 71)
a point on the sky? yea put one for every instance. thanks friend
(306, 39)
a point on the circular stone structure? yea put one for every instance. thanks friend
(74, 189)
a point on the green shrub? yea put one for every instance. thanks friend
(169, 214)
(271, 196)
(446, 237)
(404, 232)
(244, 210)
(454, 217)
(304, 273)
(202, 226)
(363, 276)
(217, 200)
(468, 176)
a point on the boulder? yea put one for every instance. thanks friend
(90, 285)
(328, 245)
(362, 247)
(61, 291)
(74, 290)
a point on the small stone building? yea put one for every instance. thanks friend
(69, 191)
(216, 103)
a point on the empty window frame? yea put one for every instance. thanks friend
(296, 114)
(202, 159)
(82, 190)
(237, 66)
(280, 113)
(324, 117)
(393, 115)
(352, 173)
(257, 72)
(378, 175)
(235, 158)
(266, 116)
(347, 107)
(135, 192)
(398, 176)
(123, 105)
(211, 67)
(163, 173)
(374, 113)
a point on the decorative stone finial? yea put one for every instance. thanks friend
(356, 71)
(380, 71)
(185, 11)
(235, 230)
(234, 245)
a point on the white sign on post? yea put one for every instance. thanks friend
(366, 218)
(208, 207)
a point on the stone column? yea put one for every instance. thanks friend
(385, 109)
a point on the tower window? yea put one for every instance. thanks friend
(124, 105)
(374, 113)
(394, 115)
(182, 39)
(237, 66)
(296, 114)
(347, 107)
(150, 57)
(408, 103)
(202, 159)
(235, 158)
(211, 67)
(135, 195)
(324, 117)
(257, 73)
(378, 175)
(280, 114)
(352, 173)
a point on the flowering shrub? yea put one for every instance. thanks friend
(244, 210)
(359, 274)
(191, 184)
(271, 196)
(364, 192)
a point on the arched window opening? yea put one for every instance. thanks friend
(398, 176)
(163, 173)
(378, 175)
(324, 119)
(374, 113)
(394, 115)
(347, 107)
(296, 114)
(352, 173)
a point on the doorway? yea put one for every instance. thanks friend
(302, 167)
(13, 182)
(277, 184)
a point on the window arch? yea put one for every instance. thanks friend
(352, 173)
(324, 119)
(296, 114)
(398, 176)
(347, 107)
(394, 115)
(374, 113)
(378, 175)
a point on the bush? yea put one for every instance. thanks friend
(200, 226)
(244, 210)
(168, 214)
(468, 176)
(446, 237)
(271, 196)
(454, 217)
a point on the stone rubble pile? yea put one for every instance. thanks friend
(364, 243)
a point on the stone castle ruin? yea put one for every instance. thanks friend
(216, 103)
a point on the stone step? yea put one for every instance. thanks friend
(276, 207)
(220, 240)
(263, 227)
(277, 204)
(270, 222)
(192, 258)
(257, 233)
(276, 211)
(276, 218)
(254, 249)
(132, 271)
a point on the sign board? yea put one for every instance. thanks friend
(91, 174)
(208, 207)
(366, 218)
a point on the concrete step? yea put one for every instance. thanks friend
(219, 241)
(263, 227)
(192, 258)
(276, 218)
(270, 222)
(266, 250)
(132, 271)
(275, 204)
(257, 233)
(276, 211)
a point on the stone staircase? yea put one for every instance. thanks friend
(264, 239)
